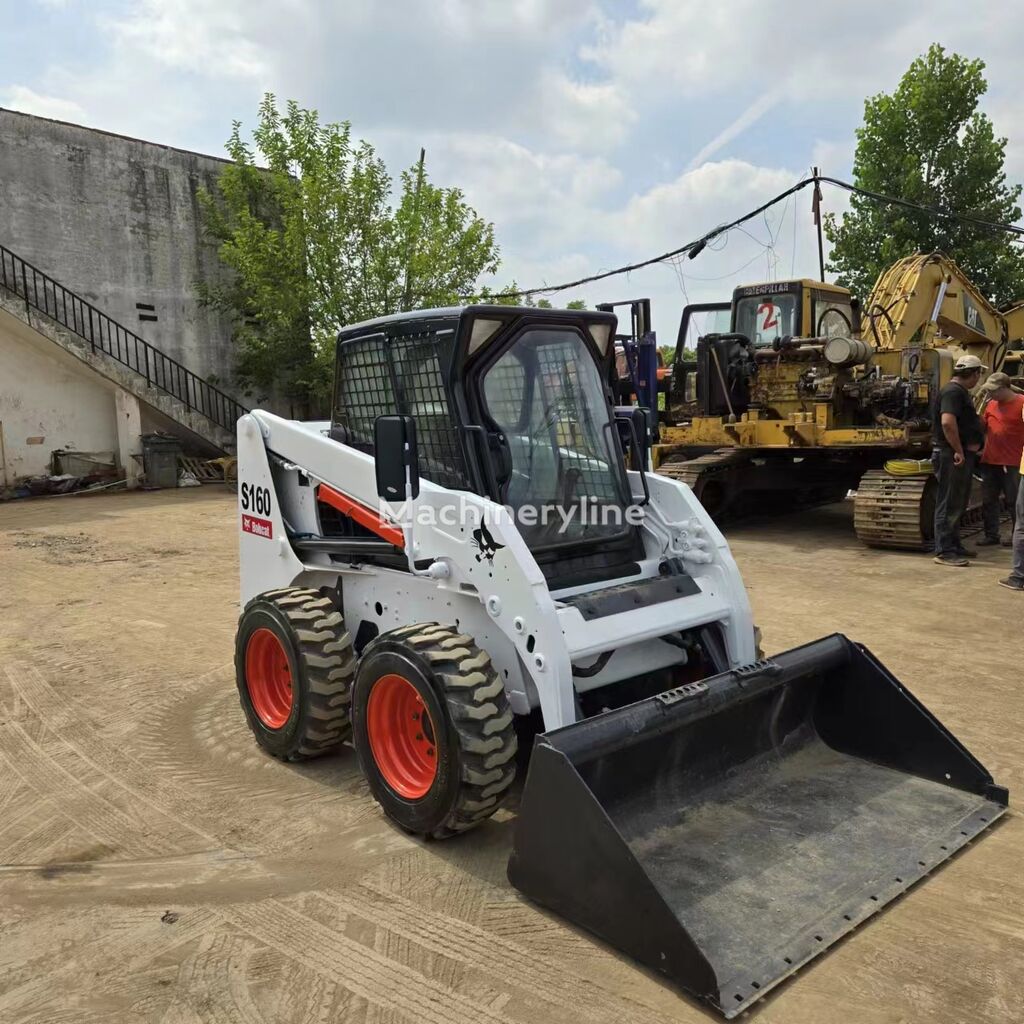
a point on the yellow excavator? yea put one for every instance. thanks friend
(799, 394)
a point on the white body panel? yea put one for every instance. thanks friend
(500, 596)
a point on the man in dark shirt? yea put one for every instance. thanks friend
(957, 437)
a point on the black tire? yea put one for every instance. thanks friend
(473, 733)
(321, 663)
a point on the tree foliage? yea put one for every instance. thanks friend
(929, 143)
(510, 296)
(308, 221)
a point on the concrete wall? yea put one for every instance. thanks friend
(48, 400)
(117, 220)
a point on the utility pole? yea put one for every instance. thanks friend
(816, 209)
(414, 234)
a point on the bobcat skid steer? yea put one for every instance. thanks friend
(462, 548)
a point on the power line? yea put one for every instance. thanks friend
(691, 248)
(792, 263)
(878, 197)
(695, 247)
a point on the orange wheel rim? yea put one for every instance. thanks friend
(269, 678)
(402, 736)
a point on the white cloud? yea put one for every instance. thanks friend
(751, 115)
(20, 97)
(193, 35)
(592, 135)
(585, 115)
(700, 198)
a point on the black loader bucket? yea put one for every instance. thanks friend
(727, 832)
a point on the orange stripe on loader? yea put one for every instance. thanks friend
(361, 514)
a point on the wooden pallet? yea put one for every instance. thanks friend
(202, 470)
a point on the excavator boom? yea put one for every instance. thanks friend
(928, 301)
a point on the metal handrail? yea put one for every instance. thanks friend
(42, 293)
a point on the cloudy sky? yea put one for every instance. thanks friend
(593, 134)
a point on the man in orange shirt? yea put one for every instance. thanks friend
(1003, 419)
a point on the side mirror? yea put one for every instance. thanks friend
(635, 434)
(396, 457)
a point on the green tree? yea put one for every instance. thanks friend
(307, 220)
(510, 296)
(929, 143)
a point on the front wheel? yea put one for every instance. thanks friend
(433, 729)
(294, 666)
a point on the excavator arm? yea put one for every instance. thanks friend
(926, 300)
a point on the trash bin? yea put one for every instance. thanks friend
(160, 459)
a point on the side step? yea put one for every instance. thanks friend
(729, 831)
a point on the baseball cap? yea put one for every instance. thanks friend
(999, 380)
(969, 363)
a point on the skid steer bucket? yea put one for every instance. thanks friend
(727, 832)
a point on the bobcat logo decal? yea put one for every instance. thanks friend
(487, 546)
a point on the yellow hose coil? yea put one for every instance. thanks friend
(909, 467)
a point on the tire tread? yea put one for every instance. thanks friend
(325, 648)
(478, 707)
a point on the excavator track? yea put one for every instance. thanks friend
(730, 487)
(711, 477)
(899, 511)
(894, 511)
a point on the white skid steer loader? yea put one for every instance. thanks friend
(462, 549)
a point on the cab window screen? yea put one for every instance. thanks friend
(380, 376)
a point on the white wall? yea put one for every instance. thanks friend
(49, 395)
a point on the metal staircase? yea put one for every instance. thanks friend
(194, 402)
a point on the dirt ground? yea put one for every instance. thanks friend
(155, 866)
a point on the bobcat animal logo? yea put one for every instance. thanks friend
(487, 545)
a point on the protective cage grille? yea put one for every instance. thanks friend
(379, 376)
(584, 445)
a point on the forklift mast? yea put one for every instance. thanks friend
(640, 349)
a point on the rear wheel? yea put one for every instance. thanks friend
(433, 729)
(294, 667)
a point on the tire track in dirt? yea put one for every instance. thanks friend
(477, 948)
(179, 1013)
(92, 813)
(212, 981)
(37, 843)
(140, 694)
(113, 950)
(17, 809)
(298, 994)
(11, 789)
(156, 795)
(213, 750)
(358, 968)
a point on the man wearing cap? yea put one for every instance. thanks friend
(1003, 420)
(957, 437)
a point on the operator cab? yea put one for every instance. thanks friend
(511, 403)
(725, 336)
(766, 313)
